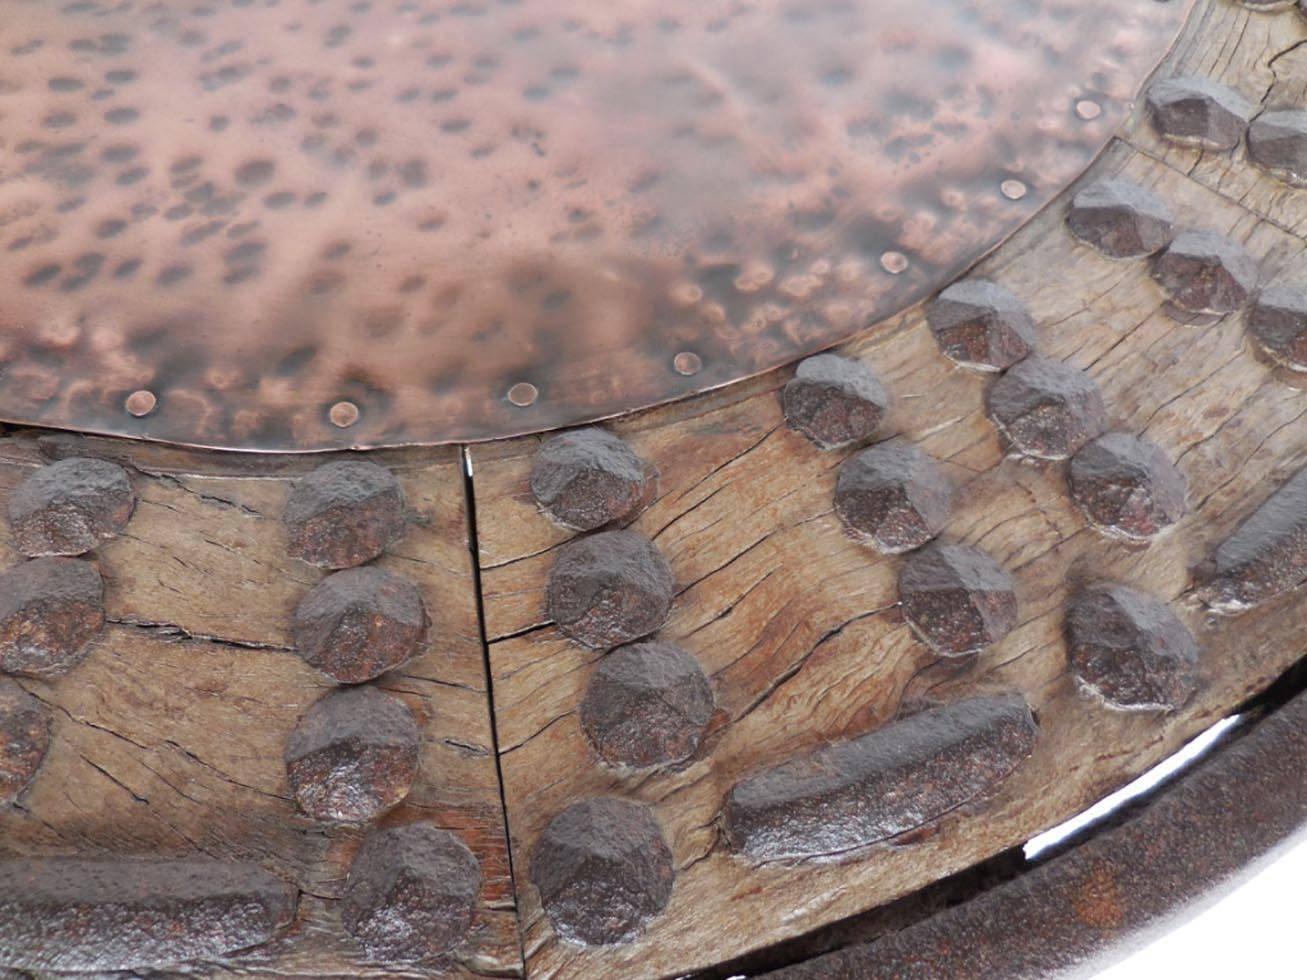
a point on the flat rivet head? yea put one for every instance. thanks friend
(343, 414)
(1013, 190)
(141, 403)
(523, 394)
(895, 263)
(687, 363)
(1088, 109)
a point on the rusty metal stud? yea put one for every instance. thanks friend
(50, 609)
(344, 514)
(1277, 142)
(69, 507)
(1265, 557)
(1278, 324)
(24, 738)
(1120, 219)
(834, 400)
(603, 870)
(353, 755)
(1045, 408)
(610, 588)
(894, 496)
(587, 478)
(1203, 272)
(74, 915)
(359, 623)
(1127, 487)
(1199, 112)
(1129, 650)
(904, 776)
(647, 704)
(957, 598)
(981, 325)
(1153, 865)
(411, 894)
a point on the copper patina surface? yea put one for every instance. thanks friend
(295, 225)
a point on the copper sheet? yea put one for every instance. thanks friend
(256, 210)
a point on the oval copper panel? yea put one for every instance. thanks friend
(257, 212)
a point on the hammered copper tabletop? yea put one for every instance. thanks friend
(300, 225)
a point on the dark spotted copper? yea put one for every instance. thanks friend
(50, 610)
(603, 871)
(359, 623)
(353, 755)
(411, 893)
(850, 794)
(101, 915)
(252, 213)
(70, 507)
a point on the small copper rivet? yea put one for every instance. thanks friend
(343, 414)
(895, 263)
(1013, 190)
(1088, 109)
(687, 363)
(523, 394)
(141, 403)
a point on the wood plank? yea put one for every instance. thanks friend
(798, 625)
(169, 737)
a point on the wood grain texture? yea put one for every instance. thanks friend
(798, 625)
(169, 737)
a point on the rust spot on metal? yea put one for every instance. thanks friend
(357, 204)
(603, 870)
(353, 755)
(1128, 649)
(344, 514)
(69, 507)
(24, 739)
(587, 478)
(1120, 219)
(1127, 487)
(894, 496)
(1204, 273)
(1278, 324)
(1199, 112)
(610, 588)
(1265, 557)
(66, 914)
(981, 325)
(957, 598)
(50, 610)
(834, 401)
(850, 794)
(411, 894)
(1045, 408)
(357, 624)
(1077, 912)
(1277, 142)
(647, 704)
